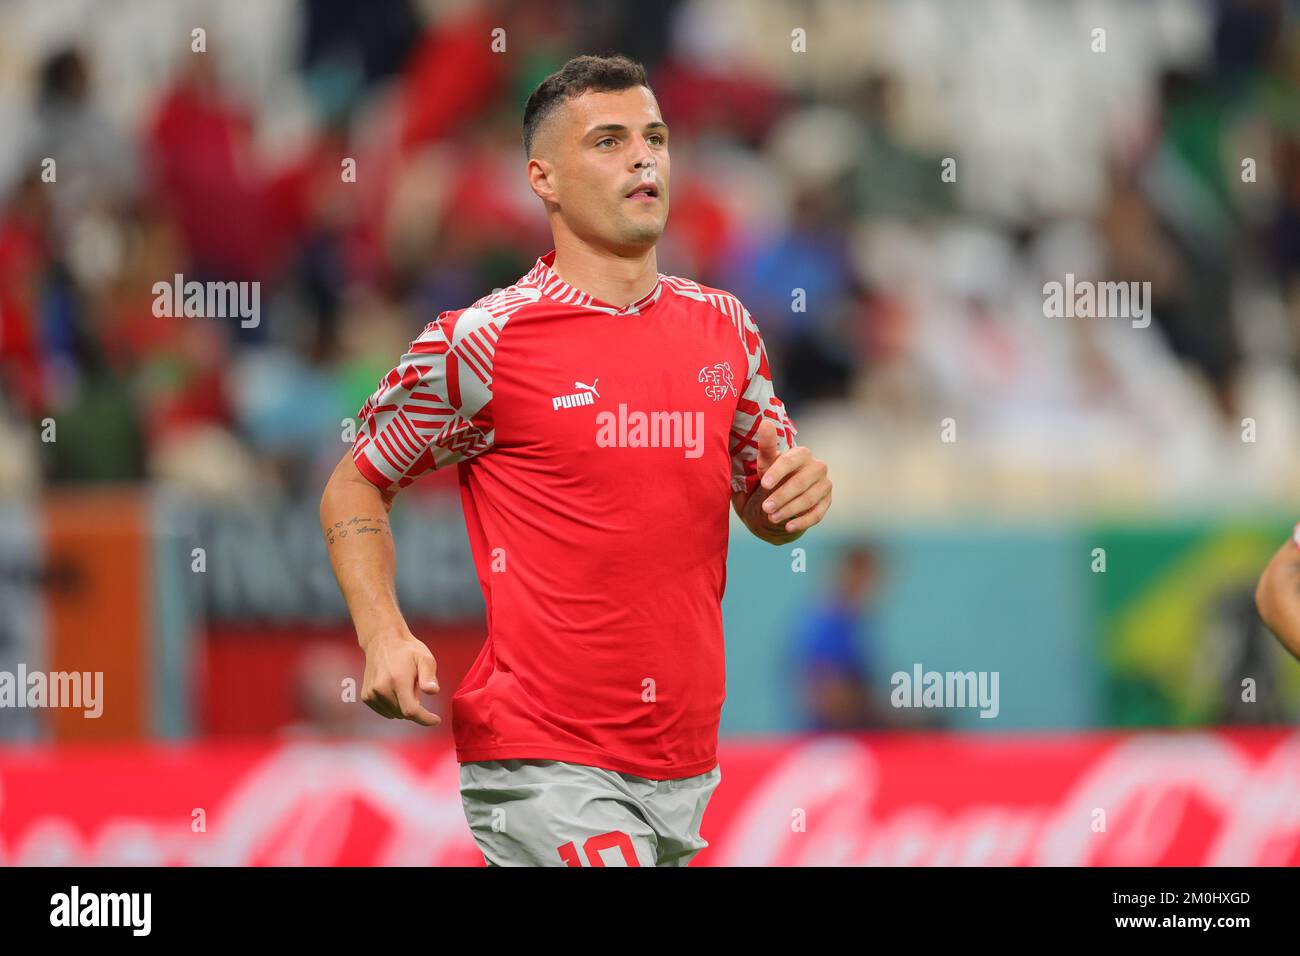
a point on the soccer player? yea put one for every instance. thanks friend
(601, 414)
(1278, 594)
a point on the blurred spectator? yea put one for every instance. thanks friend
(833, 653)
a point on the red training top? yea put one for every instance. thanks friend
(598, 447)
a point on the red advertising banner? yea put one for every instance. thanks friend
(1212, 798)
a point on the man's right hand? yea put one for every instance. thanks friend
(398, 669)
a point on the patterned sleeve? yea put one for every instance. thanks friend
(756, 402)
(435, 407)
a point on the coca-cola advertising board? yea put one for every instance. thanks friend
(1195, 798)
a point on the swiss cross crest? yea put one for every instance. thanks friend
(717, 380)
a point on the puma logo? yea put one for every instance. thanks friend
(587, 396)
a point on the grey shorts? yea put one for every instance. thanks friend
(552, 813)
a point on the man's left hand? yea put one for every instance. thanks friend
(793, 492)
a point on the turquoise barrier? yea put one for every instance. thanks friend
(1085, 625)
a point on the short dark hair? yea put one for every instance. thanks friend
(602, 74)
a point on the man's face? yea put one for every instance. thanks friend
(597, 154)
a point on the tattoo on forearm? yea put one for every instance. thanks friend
(356, 526)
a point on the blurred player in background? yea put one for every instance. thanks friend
(835, 648)
(1278, 594)
(836, 652)
(602, 413)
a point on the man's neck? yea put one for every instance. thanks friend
(617, 280)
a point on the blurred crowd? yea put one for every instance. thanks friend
(810, 143)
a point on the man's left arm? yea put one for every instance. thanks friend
(777, 487)
(1277, 596)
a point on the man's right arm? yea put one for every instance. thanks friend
(430, 411)
(354, 520)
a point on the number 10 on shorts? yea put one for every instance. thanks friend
(601, 841)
